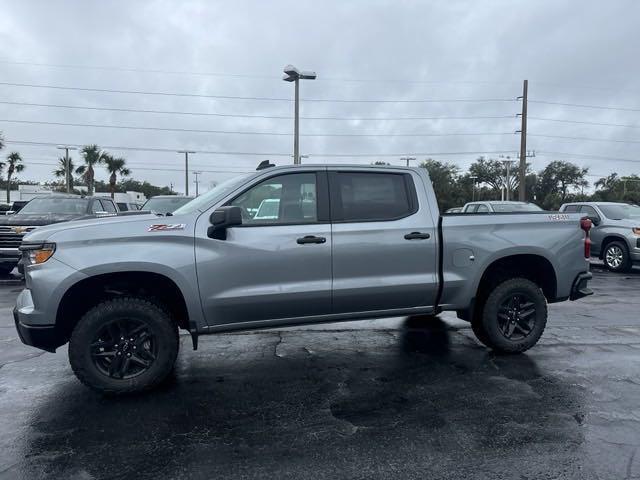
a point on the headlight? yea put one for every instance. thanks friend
(636, 230)
(37, 254)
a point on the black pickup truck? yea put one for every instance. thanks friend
(46, 211)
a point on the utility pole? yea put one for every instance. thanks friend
(523, 143)
(196, 181)
(186, 169)
(408, 159)
(67, 162)
(507, 164)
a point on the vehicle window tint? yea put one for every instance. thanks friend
(123, 207)
(571, 208)
(590, 211)
(482, 209)
(371, 196)
(471, 208)
(96, 207)
(284, 199)
(108, 206)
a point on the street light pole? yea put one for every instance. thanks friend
(196, 181)
(473, 187)
(292, 74)
(186, 169)
(507, 164)
(67, 162)
(408, 159)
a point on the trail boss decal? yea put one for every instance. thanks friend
(559, 216)
(163, 227)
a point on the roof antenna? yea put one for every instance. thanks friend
(265, 164)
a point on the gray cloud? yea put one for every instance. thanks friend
(572, 52)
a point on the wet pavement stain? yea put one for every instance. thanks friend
(396, 398)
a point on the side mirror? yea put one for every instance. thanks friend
(223, 218)
(595, 220)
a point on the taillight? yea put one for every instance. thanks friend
(585, 224)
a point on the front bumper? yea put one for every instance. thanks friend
(42, 337)
(580, 288)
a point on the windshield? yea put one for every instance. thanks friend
(63, 206)
(515, 207)
(165, 204)
(213, 195)
(620, 211)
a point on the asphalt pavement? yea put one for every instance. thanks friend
(394, 398)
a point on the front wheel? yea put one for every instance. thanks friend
(513, 318)
(616, 257)
(123, 345)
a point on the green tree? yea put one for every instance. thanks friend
(92, 156)
(444, 177)
(146, 188)
(14, 165)
(115, 167)
(558, 182)
(61, 171)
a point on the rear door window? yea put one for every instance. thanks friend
(108, 206)
(369, 196)
(571, 208)
(482, 209)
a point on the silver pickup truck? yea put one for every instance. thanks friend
(344, 243)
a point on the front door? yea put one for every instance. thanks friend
(384, 242)
(277, 264)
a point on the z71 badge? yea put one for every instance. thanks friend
(163, 227)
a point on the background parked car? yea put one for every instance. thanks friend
(500, 207)
(45, 211)
(165, 203)
(615, 236)
(454, 210)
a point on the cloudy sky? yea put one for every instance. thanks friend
(395, 78)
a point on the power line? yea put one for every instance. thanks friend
(277, 117)
(590, 139)
(581, 122)
(235, 132)
(53, 164)
(251, 76)
(579, 105)
(234, 97)
(266, 154)
(548, 153)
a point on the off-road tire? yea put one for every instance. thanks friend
(621, 249)
(165, 332)
(487, 328)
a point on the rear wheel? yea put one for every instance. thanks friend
(513, 318)
(123, 345)
(616, 257)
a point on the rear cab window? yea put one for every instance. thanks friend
(371, 196)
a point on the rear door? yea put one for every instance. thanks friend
(384, 241)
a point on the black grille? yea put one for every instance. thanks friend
(10, 238)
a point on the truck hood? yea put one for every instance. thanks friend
(40, 219)
(107, 223)
(622, 223)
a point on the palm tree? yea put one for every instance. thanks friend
(115, 166)
(14, 165)
(92, 155)
(61, 171)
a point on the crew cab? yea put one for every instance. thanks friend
(345, 243)
(45, 210)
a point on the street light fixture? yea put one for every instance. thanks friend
(292, 74)
(186, 169)
(408, 159)
(66, 149)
